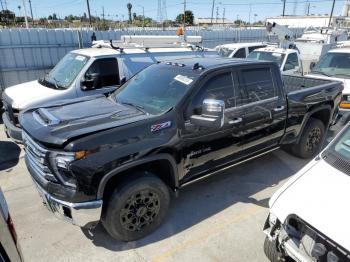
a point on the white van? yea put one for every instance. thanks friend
(238, 50)
(91, 71)
(309, 215)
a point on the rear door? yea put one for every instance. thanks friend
(265, 108)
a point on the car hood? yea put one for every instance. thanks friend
(319, 195)
(22, 95)
(59, 122)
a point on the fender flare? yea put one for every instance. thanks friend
(310, 113)
(118, 170)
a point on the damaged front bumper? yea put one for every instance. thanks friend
(85, 214)
(301, 242)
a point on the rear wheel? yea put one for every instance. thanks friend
(137, 207)
(311, 139)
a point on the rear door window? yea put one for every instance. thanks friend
(258, 84)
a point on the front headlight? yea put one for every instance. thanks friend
(63, 161)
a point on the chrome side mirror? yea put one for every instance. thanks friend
(213, 114)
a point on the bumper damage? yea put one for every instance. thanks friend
(85, 214)
(11, 130)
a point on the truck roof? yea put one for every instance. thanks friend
(95, 51)
(276, 50)
(239, 45)
(208, 63)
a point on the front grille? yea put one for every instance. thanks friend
(329, 247)
(37, 158)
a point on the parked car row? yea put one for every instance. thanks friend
(115, 156)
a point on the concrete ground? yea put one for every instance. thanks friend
(216, 219)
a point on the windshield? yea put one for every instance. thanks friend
(157, 88)
(333, 64)
(267, 56)
(225, 52)
(341, 145)
(67, 69)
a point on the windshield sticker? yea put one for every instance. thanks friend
(183, 79)
(80, 58)
(157, 127)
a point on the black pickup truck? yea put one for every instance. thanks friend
(116, 158)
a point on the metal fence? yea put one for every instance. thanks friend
(28, 54)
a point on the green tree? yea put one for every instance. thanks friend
(189, 18)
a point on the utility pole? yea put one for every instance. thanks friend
(184, 22)
(250, 12)
(88, 7)
(330, 17)
(31, 11)
(223, 17)
(217, 15)
(212, 12)
(284, 7)
(103, 14)
(25, 14)
(2, 7)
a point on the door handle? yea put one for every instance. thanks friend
(235, 121)
(279, 108)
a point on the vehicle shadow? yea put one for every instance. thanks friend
(9, 154)
(210, 196)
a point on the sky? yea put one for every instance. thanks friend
(116, 9)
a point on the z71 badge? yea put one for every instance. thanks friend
(160, 126)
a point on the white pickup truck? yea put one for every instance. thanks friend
(91, 71)
(288, 59)
(335, 65)
(309, 215)
(238, 50)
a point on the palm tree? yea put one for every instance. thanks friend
(129, 6)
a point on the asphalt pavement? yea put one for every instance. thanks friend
(216, 219)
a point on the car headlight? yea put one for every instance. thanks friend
(63, 160)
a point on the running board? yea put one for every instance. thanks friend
(227, 167)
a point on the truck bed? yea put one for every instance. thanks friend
(297, 83)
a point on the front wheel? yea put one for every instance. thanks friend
(311, 139)
(137, 207)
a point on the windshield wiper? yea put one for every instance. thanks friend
(320, 72)
(141, 108)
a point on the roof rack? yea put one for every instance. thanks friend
(147, 42)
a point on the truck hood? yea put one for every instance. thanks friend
(320, 196)
(57, 123)
(345, 81)
(23, 95)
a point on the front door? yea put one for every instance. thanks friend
(207, 149)
(108, 80)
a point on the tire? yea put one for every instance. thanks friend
(311, 140)
(271, 252)
(129, 216)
